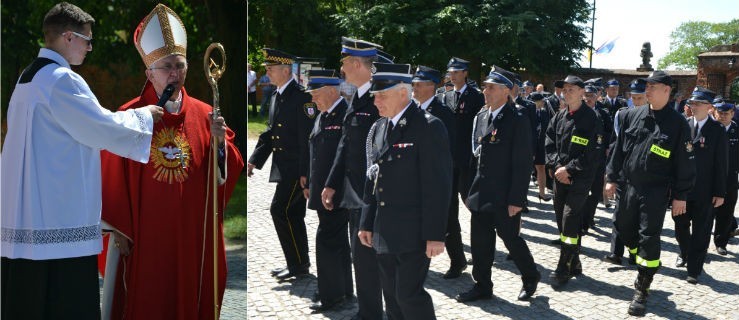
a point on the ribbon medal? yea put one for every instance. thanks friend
(492, 135)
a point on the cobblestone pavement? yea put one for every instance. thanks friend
(603, 292)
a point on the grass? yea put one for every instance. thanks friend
(234, 220)
(255, 125)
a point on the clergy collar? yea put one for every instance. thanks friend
(397, 117)
(53, 55)
(361, 90)
(175, 106)
(281, 89)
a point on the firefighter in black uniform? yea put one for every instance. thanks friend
(333, 259)
(498, 192)
(572, 154)
(291, 117)
(602, 141)
(711, 157)
(407, 193)
(350, 164)
(424, 85)
(464, 101)
(725, 221)
(652, 157)
(612, 102)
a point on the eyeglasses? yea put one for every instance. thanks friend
(84, 37)
(168, 68)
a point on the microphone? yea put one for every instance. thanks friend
(166, 94)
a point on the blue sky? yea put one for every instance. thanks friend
(637, 21)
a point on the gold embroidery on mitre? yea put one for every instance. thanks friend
(161, 13)
(169, 151)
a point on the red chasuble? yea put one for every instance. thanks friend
(165, 209)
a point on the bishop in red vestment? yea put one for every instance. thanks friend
(161, 212)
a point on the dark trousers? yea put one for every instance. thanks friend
(591, 202)
(568, 202)
(251, 98)
(366, 271)
(483, 230)
(453, 241)
(725, 221)
(617, 246)
(639, 220)
(333, 257)
(693, 245)
(50, 289)
(402, 276)
(288, 216)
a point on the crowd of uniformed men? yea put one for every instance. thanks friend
(390, 162)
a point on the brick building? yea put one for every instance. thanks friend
(718, 70)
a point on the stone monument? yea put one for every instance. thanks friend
(646, 55)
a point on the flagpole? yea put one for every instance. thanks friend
(592, 34)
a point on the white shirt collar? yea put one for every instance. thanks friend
(281, 89)
(400, 114)
(426, 103)
(495, 113)
(53, 55)
(336, 103)
(461, 91)
(363, 89)
(700, 123)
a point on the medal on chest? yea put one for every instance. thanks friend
(492, 135)
(703, 142)
(170, 155)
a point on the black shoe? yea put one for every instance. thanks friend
(321, 307)
(722, 251)
(454, 272)
(692, 279)
(545, 197)
(612, 258)
(680, 262)
(316, 297)
(528, 289)
(275, 271)
(287, 274)
(472, 295)
(638, 305)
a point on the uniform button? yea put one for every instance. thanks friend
(274, 149)
(279, 124)
(278, 137)
(280, 149)
(380, 161)
(382, 203)
(273, 137)
(380, 175)
(398, 156)
(380, 189)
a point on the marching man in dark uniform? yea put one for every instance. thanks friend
(725, 220)
(711, 157)
(333, 259)
(464, 101)
(637, 87)
(410, 178)
(573, 156)
(602, 140)
(612, 102)
(424, 84)
(652, 157)
(345, 184)
(291, 116)
(498, 192)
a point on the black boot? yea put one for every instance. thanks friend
(562, 274)
(638, 305)
(576, 265)
(453, 246)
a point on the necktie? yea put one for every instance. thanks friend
(272, 103)
(695, 130)
(456, 96)
(490, 119)
(390, 126)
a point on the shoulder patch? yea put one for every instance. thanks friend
(310, 110)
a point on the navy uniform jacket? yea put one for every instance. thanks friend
(572, 140)
(464, 109)
(437, 109)
(324, 140)
(606, 132)
(732, 180)
(505, 158)
(408, 203)
(711, 161)
(612, 108)
(528, 108)
(653, 149)
(286, 137)
(350, 164)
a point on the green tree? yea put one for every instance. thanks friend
(536, 35)
(694, 37)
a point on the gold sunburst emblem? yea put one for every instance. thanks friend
(170, 154)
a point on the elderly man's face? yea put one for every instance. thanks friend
(391, 101)
(725, 116)
(168, 70)
(325, 97)
(639, 99)
(422, 91)
(700, 109)
(495, 95)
